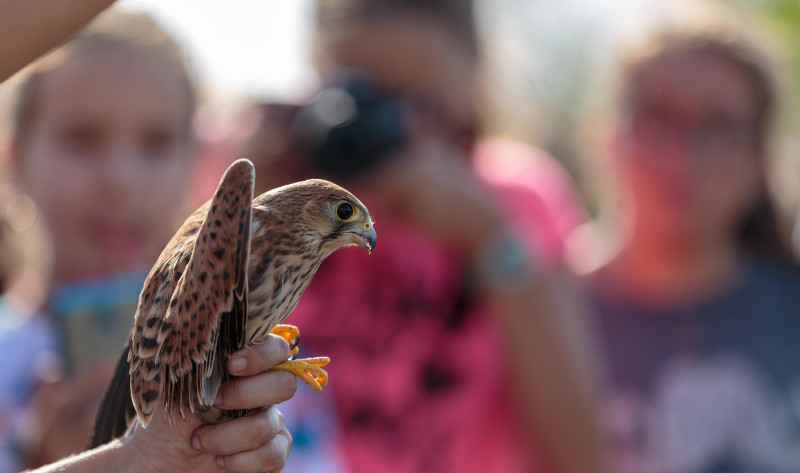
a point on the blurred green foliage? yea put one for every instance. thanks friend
(781, 18)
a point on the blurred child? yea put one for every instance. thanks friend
(698, 305)
(447, 345)
(102, 144)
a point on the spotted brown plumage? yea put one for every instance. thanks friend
(233, 271)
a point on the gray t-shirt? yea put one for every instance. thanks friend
(706, 387)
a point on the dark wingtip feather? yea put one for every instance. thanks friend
(116, 408)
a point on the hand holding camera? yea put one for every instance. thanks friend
(406, 149)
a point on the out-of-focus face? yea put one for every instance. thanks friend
(407, 54)
(105, 157)
(688, 151)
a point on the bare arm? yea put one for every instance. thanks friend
(549, 348)
(258, 441)
(113, 456)
(550, 353)
(30, 28)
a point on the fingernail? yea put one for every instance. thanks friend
(237, 364)
(196, 443)
(221, 462)
(218, 399)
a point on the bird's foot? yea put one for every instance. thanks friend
(307, 369)
(291, 334)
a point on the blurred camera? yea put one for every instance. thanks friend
(349, 128)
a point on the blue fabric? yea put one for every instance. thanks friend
(96, 294)
(27, 340)
(33, 342)
(710, 386)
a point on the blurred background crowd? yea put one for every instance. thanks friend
(586, 213)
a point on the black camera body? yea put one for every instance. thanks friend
(349, 128)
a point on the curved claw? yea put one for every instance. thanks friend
(291, 334)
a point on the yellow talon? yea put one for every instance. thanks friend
(307, 369)
(291, 334)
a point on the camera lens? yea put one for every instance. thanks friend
(349, 129)
(334, 107)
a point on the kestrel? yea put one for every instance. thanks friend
(229, 276)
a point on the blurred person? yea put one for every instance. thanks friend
(448, 345)
(697, 298)
(102, 145)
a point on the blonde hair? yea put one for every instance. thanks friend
(132, 32)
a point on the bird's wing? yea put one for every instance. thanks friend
(206, 315)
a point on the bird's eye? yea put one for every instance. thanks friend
(345, 211)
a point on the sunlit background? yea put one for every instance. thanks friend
(542, 54)
(259, 47)
(243, 47)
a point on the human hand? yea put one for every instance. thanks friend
(257, 442)
(431, 186)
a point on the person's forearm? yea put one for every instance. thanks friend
(552, 370)
(30, 28)
(112, 457)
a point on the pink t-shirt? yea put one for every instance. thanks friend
(415, 379)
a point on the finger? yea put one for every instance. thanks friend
(259, 357)
(251, 392)
(268, 457)
(239, 435)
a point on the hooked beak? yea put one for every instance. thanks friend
(365, 238)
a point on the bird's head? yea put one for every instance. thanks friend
(323, 214)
